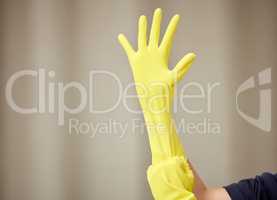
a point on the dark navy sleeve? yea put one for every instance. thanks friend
(262, 187)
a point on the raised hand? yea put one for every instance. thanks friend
(150, 62)
(169, 176)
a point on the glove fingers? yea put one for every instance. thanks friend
(155, 29)
(142, 31)
(169, 35)
(126, 45)
(183, 66)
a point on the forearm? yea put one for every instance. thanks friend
(213, 194)
(199, 185)
(163, 136)
(202, 192)
(166, 145)
(169, 176)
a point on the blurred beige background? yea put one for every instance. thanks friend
(41, 160)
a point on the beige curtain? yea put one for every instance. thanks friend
(42, 160)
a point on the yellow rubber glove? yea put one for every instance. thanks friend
(171, 180)
(155, 84)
